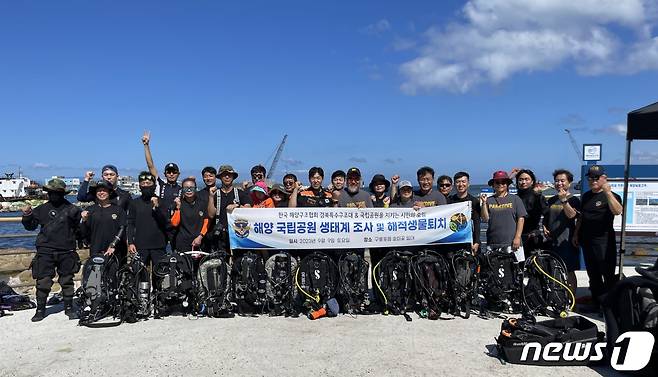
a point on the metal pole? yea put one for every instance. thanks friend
(622, 249)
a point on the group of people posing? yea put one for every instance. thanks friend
(185, 217)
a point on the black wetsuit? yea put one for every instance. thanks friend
(55, 243)
(597, 238)
(535, 205)
(147, 229)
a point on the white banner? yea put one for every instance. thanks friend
(346, 228)
(642, 206)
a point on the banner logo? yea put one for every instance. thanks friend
(241, 228)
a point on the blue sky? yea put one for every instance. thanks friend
(383, 85)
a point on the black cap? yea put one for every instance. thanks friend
(353, 172)
(171, 167)
(595, 171)
(104, 185)
(379, 179)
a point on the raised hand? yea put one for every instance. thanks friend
(395, 179)
(88, 176)
(27, 210)
(146, 138)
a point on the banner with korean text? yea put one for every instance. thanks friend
(345, 228)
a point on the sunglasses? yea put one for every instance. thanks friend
(188, 189)
(145, 177)
(257, 175)
(445, 185)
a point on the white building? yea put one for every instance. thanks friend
(71, 183)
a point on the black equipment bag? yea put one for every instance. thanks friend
(11, 300)
(545, 290)
(465, 270)
(316, 279)
(250, 283)
(281, 292)
(99, 294)
(134, 290)
(515, 334)
(500, 281)
(394, 283)
(175, 286)
(631, 305)
(353, 292)
(432, 284)
(214, 282)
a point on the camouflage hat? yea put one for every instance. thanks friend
(56, 185)
(227, 169)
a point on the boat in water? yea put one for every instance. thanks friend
(13, 189)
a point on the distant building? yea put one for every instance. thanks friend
(71, 183)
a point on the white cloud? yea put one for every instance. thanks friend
(645, 157)
(377, 28)
(496, 39)
(40, 165)
(617, 129)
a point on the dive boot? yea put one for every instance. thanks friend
(40, 314)
(68, 309)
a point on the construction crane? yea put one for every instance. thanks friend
(575, 145)
(276, 158)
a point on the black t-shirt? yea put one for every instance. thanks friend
(229, 198)
(378, 202)
(561, 227)
(596, 217)
(535, 206)
(191, 222)
(102, 226)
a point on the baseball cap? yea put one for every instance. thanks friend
(354, 172)
(595, 171)
(171, 167)
(405, 184)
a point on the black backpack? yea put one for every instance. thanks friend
(316, 279)
(501, 280)
(99, 294)
(214, 286)
(431, 275)
(545, 290)
(465, 269)
(281, 292)
(175, 286)
(631, 305)
(394, 283)
(353, 288)
(250, 283)
(135, 291)
(11, 300)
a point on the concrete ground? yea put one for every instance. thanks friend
(367, 345)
